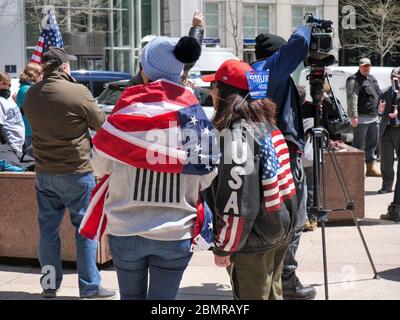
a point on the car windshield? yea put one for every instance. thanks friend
(110, 96)
(205, 97)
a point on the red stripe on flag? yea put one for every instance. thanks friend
(274, 208)
(160, 91)
(132, 154)
(124, 122)
(238, 236)
(228, 232)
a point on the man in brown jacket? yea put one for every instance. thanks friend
(61, 112)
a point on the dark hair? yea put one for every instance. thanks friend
(237, 104)
(50, 67)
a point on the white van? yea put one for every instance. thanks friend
(339, 75)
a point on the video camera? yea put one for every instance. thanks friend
(320, 57)
(321, 42)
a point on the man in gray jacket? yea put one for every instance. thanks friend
(363, 95)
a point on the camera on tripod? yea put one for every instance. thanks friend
(321, 42)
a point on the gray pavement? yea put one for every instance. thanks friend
(350, 273)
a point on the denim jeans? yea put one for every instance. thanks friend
(136, 258)
(366, 138)
(55, 193)
(290, 263)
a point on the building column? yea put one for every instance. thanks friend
(283, 18)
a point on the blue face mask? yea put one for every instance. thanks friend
(5, 93)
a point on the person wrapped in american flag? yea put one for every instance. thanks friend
(253, 198)
(158, 153)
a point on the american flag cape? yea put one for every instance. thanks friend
(277, 183)
(162, 109)
(50, 37)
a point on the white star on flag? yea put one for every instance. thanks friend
(197, 149)
(194, 120)
(206, 132)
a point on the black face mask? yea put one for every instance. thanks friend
(5, 93)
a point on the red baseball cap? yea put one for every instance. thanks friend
(232, 72)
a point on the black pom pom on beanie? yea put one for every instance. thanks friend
(188, 50)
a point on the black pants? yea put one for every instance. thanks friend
(290, 263)
(390, 143)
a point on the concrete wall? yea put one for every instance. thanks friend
(12, 35)
(181, 15)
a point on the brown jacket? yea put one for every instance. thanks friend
(61, 111)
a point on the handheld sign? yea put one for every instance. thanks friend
(258, 83)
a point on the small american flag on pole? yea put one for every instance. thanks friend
(50, 37)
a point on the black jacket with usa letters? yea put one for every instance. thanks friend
(253, 198)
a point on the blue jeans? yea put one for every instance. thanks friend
(55, 193)
(135, 258)
(366, 138)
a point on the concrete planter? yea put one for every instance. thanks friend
(19, 230)
(351, 162)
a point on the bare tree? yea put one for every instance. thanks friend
(67, 10)
(377, 31)
(233, 29)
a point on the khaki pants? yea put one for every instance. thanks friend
(258, 276)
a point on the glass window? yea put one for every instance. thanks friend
(146, 18)
(111, 95)
(212, 17)
(122, 23)
(256, 20)
(113, 17)
(298, 13)
(122, 60)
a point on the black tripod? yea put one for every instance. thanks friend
(320, 144)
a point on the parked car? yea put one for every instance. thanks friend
(111, 94)
(95, 80)
(113, 90)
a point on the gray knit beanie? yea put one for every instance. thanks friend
(165, 58)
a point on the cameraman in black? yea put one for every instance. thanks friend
(335, 121)
(282, 58)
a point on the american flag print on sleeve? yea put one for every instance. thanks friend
(277, 178)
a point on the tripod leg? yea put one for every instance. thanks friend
(346, 194)
(322, 213)
(325, 260)
(376, 275)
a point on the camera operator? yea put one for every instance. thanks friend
(282, 58)
(363, 94)
(335, 121)
(390, 142)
